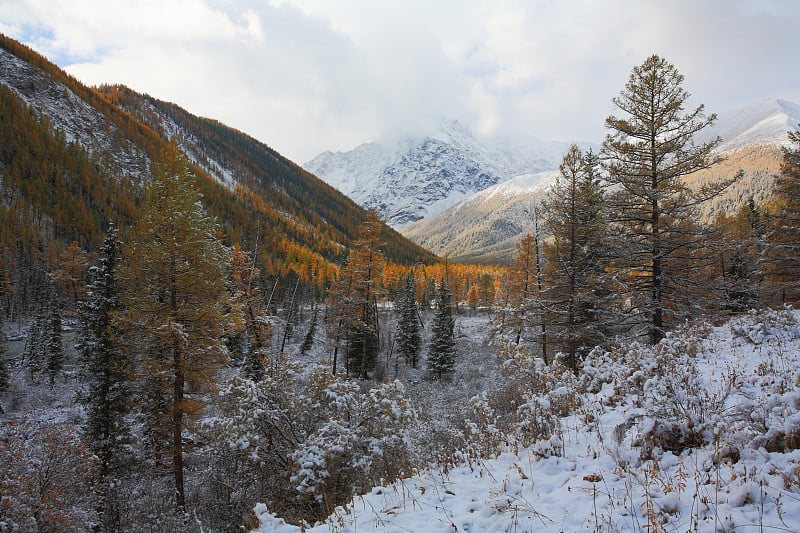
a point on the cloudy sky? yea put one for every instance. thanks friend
(306, 76)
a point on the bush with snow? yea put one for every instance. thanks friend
(316, 438)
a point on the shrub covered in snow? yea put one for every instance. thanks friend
(316, 438)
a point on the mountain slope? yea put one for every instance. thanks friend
(485, 227)
(72, 161)
(417, 178)
(480, 228)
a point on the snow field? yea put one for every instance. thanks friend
(699, 434)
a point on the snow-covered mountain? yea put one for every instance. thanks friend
(414, 178)
(761, 123)
(486, 226)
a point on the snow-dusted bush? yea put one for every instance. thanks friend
(526, 410)
(317, 439)
(47, 479)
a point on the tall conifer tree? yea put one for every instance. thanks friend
(574, 215)
(176, 305)
(783, 258)
(650, 149)
(442, 348)
(408, 339)
(105, 366)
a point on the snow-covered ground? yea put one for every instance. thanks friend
(723, 399)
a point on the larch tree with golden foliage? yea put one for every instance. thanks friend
(179, 311)
(355, 299)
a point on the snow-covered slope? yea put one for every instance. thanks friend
(416, 178)
(617, 463)
(486, 226)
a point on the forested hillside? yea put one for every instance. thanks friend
(73, 161)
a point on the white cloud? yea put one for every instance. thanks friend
(310, 75)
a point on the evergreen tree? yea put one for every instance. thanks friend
(53, 345)
(574, 214)
(104, 365)
(442, 348)
(648, 152)
(408, 339)
(33, 353)
(308, 340)
(783, 257)
(740, 251)
(5, 375)
(177, 307)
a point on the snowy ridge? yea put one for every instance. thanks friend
(611, 465)
(414, 178)
(763, 122)
(68, 113)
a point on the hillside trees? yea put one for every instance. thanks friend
(178, 311)
(650, 148)
(574, 214)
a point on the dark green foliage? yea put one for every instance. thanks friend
(408, 339)
(5, 375)
(104, 365)
(308, 341)
(362, 351)
(442, 349)
(577, 291)
(53, 345)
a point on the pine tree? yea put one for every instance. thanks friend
(104, 365)
(574, 215)
(408, 339)
(33, 353)
(308, 340)
(783, 257)
(442, 348)
(177, 308)
(648, 152)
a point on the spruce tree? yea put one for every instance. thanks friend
(442, 348)
(408, 339)
(5, 374)
(53, 343)
(574, 214)
(33, 353)
(177, 308)
(648, 152)
(105, 367)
